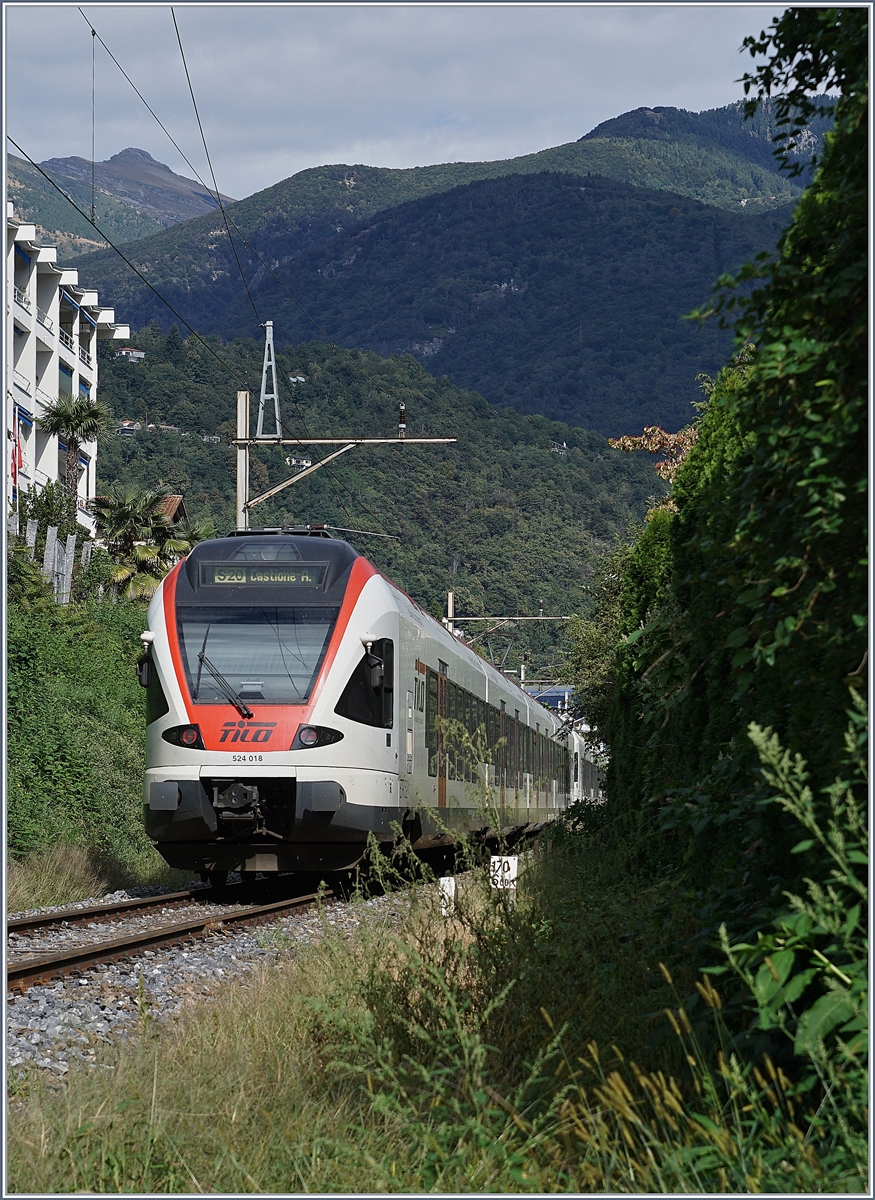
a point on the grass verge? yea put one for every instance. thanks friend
(497, 1050)
(63, 874)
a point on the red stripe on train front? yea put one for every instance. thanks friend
(219, 724)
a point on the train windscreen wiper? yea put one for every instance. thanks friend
(224, 686)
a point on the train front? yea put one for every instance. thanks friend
(257, 678)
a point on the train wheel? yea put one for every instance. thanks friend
(218, 879)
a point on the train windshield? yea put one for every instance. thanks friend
(266, 655)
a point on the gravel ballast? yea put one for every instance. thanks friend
(54, 1025)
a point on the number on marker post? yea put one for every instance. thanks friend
(503, 871)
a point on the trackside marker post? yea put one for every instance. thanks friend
(447, 895)
(503, 873)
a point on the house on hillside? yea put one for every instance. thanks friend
(129, 354)
(127, 428)
(53, 325)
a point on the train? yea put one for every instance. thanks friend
(298, 701)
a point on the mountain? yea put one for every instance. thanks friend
(58, 223)
(137, 179)
(722, 130)
(502, 518)
(195, 261)
(550, 293)
(135, 196)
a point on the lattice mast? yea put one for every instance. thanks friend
(268, 387)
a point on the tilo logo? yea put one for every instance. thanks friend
(260, 731)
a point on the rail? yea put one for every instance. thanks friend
(25, 972)
(66, 339)
(44, 319)
(85, 356)
(22, 298)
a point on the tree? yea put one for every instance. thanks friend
(74, 420)
(139, 536)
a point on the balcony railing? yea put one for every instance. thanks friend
(22, 381)
(85, 356)
(44, 319)
(44, 398)
(22, 298)
(66, 340)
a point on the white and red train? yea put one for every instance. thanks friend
(297, 701)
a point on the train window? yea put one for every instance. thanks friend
(431, 721)
(368, 697)
(576, 766)
(274, 652)
(265, 550)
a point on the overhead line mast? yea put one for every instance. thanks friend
(269, 392)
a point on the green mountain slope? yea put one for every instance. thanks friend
(500, 518)
(551, 293)
(57, 221)
(194, 264)
(722, 131)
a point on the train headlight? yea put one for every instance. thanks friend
(188, 736)
(309, 736)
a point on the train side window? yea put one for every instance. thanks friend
(369, 695)
(576, 765)
(156, 701)
(431, 705)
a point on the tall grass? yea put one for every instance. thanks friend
(64, 873)
(506, 1048)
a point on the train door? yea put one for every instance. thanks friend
(502, 753)
(515, 758)
(443, 692)
(410, 731)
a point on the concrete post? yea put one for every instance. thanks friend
(242, 461)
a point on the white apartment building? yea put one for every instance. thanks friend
(53, 325)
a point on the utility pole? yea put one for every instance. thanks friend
(242, 460)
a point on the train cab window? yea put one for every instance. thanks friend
(369, 695)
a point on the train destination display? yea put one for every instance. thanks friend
(293, 574)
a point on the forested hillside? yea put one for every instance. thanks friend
(194, 266)
(553, 293)
(500, 518)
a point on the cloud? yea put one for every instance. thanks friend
(281, 88)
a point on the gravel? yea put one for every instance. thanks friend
(54, 1025)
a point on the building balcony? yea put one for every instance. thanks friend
(66, 340)
(44, 398)
(22, 298)
(85, 356)
(44, 319)
(23, 382)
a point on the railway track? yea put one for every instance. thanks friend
(27, 970)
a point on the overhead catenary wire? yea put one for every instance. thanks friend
(228, 222)
(197, 176)
(331, 478)
(134, 268)
(212, 172)
(227, 366)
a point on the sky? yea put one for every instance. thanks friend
(284, 87)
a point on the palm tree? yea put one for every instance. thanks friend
(139, 536)
(75, 420)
